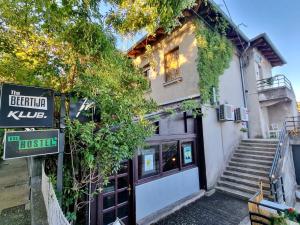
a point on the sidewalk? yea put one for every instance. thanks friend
(14, 192)
(214, 210)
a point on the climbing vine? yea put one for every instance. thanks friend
(214, 55)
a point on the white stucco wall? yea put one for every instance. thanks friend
(155, 195)
(258, 116)
(221, 138)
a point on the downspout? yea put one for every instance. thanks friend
(243, 82)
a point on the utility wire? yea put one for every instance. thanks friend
(234, 24)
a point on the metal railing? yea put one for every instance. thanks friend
(290, 128)
(274, 82)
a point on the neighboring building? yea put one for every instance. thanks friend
(298, 106)
(187, 154)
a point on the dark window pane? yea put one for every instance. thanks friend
(123, 168)
(122, 182)
(109, 217)
(148, 161)
(187, 153)
(122, 197)
(109, 187)
(123, 211)
(170, 156)
(108, 201)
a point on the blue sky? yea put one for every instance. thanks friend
(278, 18)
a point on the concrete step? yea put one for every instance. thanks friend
(249, 183)
(250, 152)
(267, 141)
(251, 166)
(251, 156)
(246, 176)
(254, 161)
(248, 171)
(238, 194)
(249, 144)
(240, 187)
(263, 149)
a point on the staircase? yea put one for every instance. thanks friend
(250, 164)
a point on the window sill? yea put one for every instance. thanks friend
(176, 80)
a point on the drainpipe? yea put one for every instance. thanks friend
(243, 82)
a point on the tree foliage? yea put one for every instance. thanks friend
(130, 16)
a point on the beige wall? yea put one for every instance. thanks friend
(184, 38)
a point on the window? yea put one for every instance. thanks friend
(172, 65)
(158, 160)
(146, 71)
(187, 153)
(148, 161)
(170, 156)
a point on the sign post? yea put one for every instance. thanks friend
(59, 185)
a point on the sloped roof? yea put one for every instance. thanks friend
(263, 43)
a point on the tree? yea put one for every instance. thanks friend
(67, 46)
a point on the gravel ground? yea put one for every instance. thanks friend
(15, 216)
(218, 209)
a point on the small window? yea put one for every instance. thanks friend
(156, 125)
(146, 72)
(170, 159)
(187, 152)
(148, 161)
(172, 65)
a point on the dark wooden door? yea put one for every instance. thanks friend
(296, 157)
(116, 199)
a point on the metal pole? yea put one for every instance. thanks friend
(62, 126)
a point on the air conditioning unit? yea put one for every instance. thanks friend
(241, 114)
(226, 112)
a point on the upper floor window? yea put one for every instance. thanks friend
(146, 72)
(172, 65)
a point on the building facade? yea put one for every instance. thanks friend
(187, 155)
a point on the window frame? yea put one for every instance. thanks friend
(181, 167)
(178, 76)
(146, 73)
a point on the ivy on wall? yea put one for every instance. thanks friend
(215, 52)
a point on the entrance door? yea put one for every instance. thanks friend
(296, 157)
(116, 199)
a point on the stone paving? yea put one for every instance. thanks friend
(218, 209)
(14, 193)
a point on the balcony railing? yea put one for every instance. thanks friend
(274, 82)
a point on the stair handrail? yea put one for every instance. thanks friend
(291, 126)
(283, 136)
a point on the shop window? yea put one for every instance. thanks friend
(172, 65)
(170, 156)
(151, 166)
(148, 162)
(187, 152)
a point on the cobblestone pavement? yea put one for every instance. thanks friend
(15, 216)
(218, 209)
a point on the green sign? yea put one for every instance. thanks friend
(20, 144)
